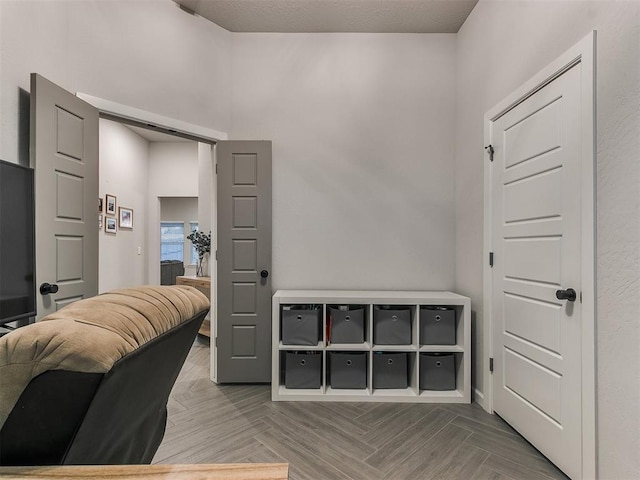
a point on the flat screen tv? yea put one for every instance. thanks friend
(17, 243)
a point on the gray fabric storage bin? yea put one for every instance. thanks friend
(348, 370)
(347, 326)
(390, 370)
(392, 326)
(303, 370)
(437, 371)
(301, 325)
(437, 326)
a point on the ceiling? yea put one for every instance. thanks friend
(301, 16)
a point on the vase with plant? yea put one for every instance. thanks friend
(202, 243)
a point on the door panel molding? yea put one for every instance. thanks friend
(582, 53)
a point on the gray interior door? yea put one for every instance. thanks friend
(243, 352)
(64, 155)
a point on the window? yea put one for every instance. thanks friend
(193, 226)
(172, 241)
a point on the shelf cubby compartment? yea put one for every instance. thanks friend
(301, 371)
(393, 374)
(394, 325)
(347, 371)
(301, 324)
(441, 325)
(347, 324)
(441, 373)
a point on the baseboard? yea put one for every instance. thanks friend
(478, 397)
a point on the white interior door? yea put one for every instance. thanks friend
(536, 212)
(64, 155)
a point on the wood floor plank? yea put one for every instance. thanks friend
(261, 454)
(335, 449)
(485, 473)
(516, 449)
(307, 463)
(212, 447)
(476, 413)
(380, 412)
(484, 426)
(524, 472)
(329, 414)
(400, 448)
(461, 462)
(434, 454)
(398, 423)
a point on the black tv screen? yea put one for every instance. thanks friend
(17, 243)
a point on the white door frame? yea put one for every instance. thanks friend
(584, 53)
(119, 112)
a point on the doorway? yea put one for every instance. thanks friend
(240, 176)
(178, 217)
(140, 169)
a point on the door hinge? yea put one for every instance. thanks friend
(216, 168)
(489, 148)
(491, 365)
(216, 255)
(491, 259)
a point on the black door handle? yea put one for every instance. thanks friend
(264, 273)
(568, 294)
(47, 288)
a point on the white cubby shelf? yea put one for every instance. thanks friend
(372, 301)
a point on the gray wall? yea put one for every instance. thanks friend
(363, 155)
(500, 46)
(124, 169)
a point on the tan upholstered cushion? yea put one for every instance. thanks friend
(91, 335)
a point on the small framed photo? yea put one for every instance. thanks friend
(125, 218)
(99, 221)
(100, 205)
(111, 204)
(110, 225)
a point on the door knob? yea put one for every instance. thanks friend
(264, 273)
(568, 294)
(47, 288)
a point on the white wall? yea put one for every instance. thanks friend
(500, 46)
(173, 172)
(185, 210)
(363, 155)
(123, 173)
(145, 54)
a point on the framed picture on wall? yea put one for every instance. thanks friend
(110, 225)
(99, 221)
(125, 218)
(100, 205)
(111, 204)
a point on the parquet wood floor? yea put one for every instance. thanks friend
(211, 423)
